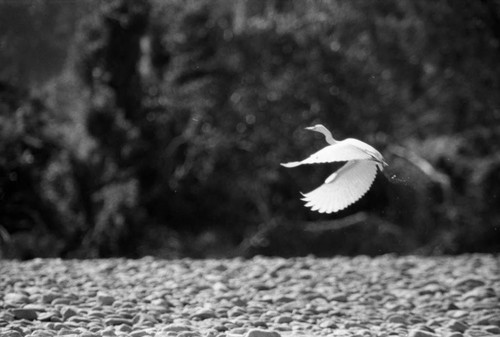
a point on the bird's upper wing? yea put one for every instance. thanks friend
(342, 188)
(333, 153)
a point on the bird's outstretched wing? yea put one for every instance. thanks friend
(342, 188)
(333, 153)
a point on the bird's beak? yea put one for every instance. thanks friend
(384, 163)
(309, 128)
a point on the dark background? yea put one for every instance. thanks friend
(133, 128)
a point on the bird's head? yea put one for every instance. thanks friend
(318, 128)
(322, 129)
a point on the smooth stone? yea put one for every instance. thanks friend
(176, 328)
(68, 332)
(236, 311)
(123, 328)
(455, 325)
(494, 321)
(28, 314)
(204, 314)
(189, 334)
(491, 329)
(61, 300)
(110, 333)
(220, 328)
(238, 331)
(95, 313)
(141, 318)
(68, 312)
(283, 319)
(486, 320)
(35, 306)
(328, 324)
(453, 334)
(262, 333)
(468, 282)
(12, 333)
(396, 319)
(284, 299)
(12, 298)
(474, 332)
(458, 313)
(339, 297)
(79, 319)
(421, 333)
(42, 333)
(118, 321)
(219, 287)
(450, 306)
(478, 293)
(139, 333)
(105, 299)
(49, 297)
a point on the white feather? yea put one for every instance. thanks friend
(348, 184)
(343, 151)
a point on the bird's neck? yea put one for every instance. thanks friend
(329, 138)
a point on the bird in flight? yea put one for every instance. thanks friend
(349, 183)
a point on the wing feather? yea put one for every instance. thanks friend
(347, 186)
(342, 151)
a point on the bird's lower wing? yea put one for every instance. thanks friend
(333, 153)
(342, 188)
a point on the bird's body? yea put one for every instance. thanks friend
(348, 184)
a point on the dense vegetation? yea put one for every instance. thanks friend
(162, 130)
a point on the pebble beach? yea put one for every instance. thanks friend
(390, 295)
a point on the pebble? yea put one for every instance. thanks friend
(49, 297)
(22, 313)
(468, 282)
(189, 334)
(493, 329)
(118, 321)
(396, 319)
(328, 324)
(421, 333)
(237, 331)
(14, 298)
(455, 325)
(139, 333)
(283, 319)
(339, 297)
(42, 333)
(486, 320)
(12, 333)
(261, 333)
(176, 328)
(105, 299)
(453, 334)
(260, 297)
(203, 314)
(61, 300)
(68, 312)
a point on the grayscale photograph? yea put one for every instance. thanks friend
(249, 168)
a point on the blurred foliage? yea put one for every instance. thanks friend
(164, 131)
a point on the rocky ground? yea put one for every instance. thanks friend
(259, 297)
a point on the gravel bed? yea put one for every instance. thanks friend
(259, 297)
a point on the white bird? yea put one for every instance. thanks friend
(348, 184)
